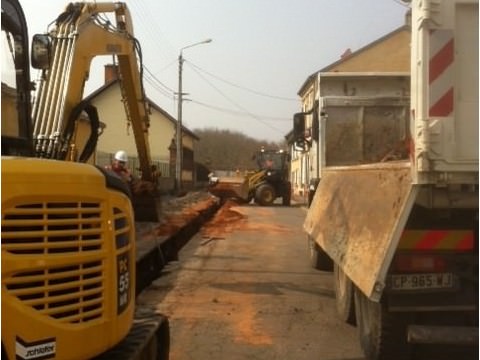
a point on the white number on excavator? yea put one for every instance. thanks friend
(123, 284)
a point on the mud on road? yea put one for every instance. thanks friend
(242, 289)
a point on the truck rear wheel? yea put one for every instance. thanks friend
(265, 194)
(382, 334)
(319, 259)
(344, 302)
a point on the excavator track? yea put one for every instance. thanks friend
(149, 339)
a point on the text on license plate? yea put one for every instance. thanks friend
(422, 281)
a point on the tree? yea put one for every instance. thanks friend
(229, 150)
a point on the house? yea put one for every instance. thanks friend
(390, 53)
(117, 134)
(297, 171)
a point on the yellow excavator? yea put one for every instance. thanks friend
(263, 185)
(69, 268)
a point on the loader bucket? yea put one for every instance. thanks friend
(234, 187)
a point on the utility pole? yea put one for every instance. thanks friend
(179, 139)
(179, 156)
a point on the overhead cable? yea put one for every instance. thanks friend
(160, 83)
(239, 86)
(154, 84)
(237, 105)
(239, 113)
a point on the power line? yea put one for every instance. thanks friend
(170, 93)
(151, 27)
(239, 86)
(152, 34)
(237, 105)
(152, 75)
(401, 2)
(154, 84)
(174, 61)
(141, 10)
(238, 113)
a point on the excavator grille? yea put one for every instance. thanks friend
(70, 294)
(60, 248)
(52, 228)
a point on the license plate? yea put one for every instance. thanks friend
(422, 281)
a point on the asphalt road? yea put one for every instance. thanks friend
(243, 289)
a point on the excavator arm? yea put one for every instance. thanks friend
(60, 92)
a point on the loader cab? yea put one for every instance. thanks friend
(274, 162)
(273, 165)
(272, 159)
(16, 85)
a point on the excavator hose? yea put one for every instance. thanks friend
(91, 143)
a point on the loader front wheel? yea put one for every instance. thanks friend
(265, 195)
(319, 259)
(383, 335)
(344, 302)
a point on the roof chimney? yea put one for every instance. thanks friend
(408, 18)
(346, 53)
(111, 73)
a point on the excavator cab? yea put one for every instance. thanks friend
(16, 86)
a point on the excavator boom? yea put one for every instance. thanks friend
(59, 99)
(58, 106)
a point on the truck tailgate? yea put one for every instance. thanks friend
(357, 215)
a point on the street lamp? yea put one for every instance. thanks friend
(179, 156)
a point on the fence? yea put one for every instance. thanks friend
(104, 159)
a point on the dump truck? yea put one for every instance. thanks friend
(395, 212)
(69, 267)
(264, 185)
(369, 127)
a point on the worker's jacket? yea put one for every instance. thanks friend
(123, 173)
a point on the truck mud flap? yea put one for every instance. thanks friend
(357, 216)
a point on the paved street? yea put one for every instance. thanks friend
(243, 289)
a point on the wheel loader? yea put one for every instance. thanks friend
(69, 267)
(263, 185)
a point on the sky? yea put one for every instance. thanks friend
(246, 80)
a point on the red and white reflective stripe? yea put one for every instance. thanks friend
(462, 240)
(440, 73)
